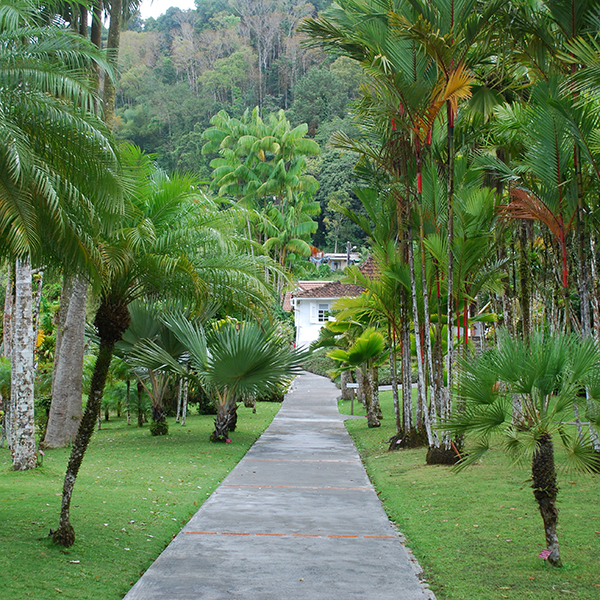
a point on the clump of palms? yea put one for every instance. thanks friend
(546, 372)
(366, 353)
(232, 361)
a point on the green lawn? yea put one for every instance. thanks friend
(478, 533)
(133, 494)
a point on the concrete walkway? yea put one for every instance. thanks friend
(296, 519)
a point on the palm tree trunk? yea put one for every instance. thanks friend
(594, 286)
(179, 400)
(23, 438)
(186, 387)
(345, 379)
(372, 420)
(450, 309)
(375, 392)
(392, 353)
(407, 410)
(128, 397)
(112, 319)
(112, 46)
(66, 407)
(360, 390)
(525, 277)
(422, 400)
(434, 394)
(140, 411)
(9, 296)
(545, 491)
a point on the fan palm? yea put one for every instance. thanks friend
(232, 361)
(366, 352)
(547, 372)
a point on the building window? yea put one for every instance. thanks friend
(322, 313)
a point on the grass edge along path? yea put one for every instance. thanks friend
(477, 533)
(133, 494)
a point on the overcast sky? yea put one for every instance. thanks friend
(156, 8)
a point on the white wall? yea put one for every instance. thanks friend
(305, 318)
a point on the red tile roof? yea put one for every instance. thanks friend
(369, 268)
(331, 289)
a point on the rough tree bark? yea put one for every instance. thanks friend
(545, 490)
(372, 419)
(9, 296)
(345, 379)
(22, 417)
(66, 407)
(186, 394)
(112, 319)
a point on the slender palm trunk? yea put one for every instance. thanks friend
(127, 400)
(345, 379)
(360, 390)
(594, 287)
(447, 408)
(392, 353)
(112, 319)
(21, 415)
(185, 401)
(375, 392)
(179, 400)
(407, 409)
(434, 401)
(545, 490)
(422, 398)
(112, 46)
(525, 277)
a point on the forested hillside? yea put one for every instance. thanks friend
(181, 69)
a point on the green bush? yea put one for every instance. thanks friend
(159, 428)
(319, 363)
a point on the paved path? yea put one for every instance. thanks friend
(296, 519)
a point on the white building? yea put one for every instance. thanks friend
(312, 303)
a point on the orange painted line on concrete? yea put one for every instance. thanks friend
(300, 460)
(312, 535)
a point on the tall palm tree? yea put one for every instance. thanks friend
(58, 171)
(168, 243)
(419, 57)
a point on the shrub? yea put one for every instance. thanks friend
(159, 428)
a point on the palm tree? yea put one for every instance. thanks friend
(58, 172)
(231, 361)
(167, 226)
(366, 353)
(58, 166)
(547, 372)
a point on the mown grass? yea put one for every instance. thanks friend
(478, 533)
(133, 494)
